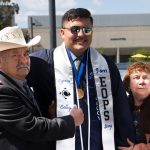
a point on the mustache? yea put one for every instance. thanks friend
(21, 65)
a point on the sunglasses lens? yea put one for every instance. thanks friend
(87, 30)
(75, 29)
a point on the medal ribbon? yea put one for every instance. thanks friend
(78, 74)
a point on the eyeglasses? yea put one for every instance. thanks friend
(76, 29)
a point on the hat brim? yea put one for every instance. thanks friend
(7, 45)
(34, 41)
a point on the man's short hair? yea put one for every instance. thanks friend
(76, 13)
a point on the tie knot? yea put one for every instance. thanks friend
(77, 63)
(25, 83)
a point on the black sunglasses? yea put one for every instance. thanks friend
(76, 29)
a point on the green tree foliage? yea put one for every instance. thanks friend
(7, 10)
(101, 50)
(143, 52)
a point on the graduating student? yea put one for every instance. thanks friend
(76, 73)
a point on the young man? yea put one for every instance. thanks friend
(21, 125)
(95, 86)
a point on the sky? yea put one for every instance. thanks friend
(41, 7)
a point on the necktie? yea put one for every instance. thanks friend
(28, 90)
(30, 94)
(77, 64)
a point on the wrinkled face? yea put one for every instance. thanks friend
(140, 84)
(78, 41)
(15, 63)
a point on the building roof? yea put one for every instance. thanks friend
(113, 20)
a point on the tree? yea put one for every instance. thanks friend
(101, 50)
(7, 10)
(143, 52)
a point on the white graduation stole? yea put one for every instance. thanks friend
(65, 97)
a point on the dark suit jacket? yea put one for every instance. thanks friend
(21, 126)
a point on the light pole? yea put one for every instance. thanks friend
(32, 24)
(52, 23)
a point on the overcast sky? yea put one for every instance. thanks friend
(40, 7)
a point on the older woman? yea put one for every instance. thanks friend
(137, 85)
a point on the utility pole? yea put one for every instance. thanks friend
(32, 33)
(52, 23)
(31, 21)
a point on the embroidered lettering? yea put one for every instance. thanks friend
(108, 126)
(98, 70)
(104, 93)
(106, 114)
(63, 81)
(102, 81)
(65, 107)
(104, 96)
(97, 109)
(105, 103)
(91, 75)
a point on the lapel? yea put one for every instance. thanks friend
(13, 85)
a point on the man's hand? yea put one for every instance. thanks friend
(77, 115)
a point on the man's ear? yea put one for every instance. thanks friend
(62, 33)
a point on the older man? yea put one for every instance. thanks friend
(21, 125)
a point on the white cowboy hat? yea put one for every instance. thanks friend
(12, 37)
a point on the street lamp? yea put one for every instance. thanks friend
(32, 24)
